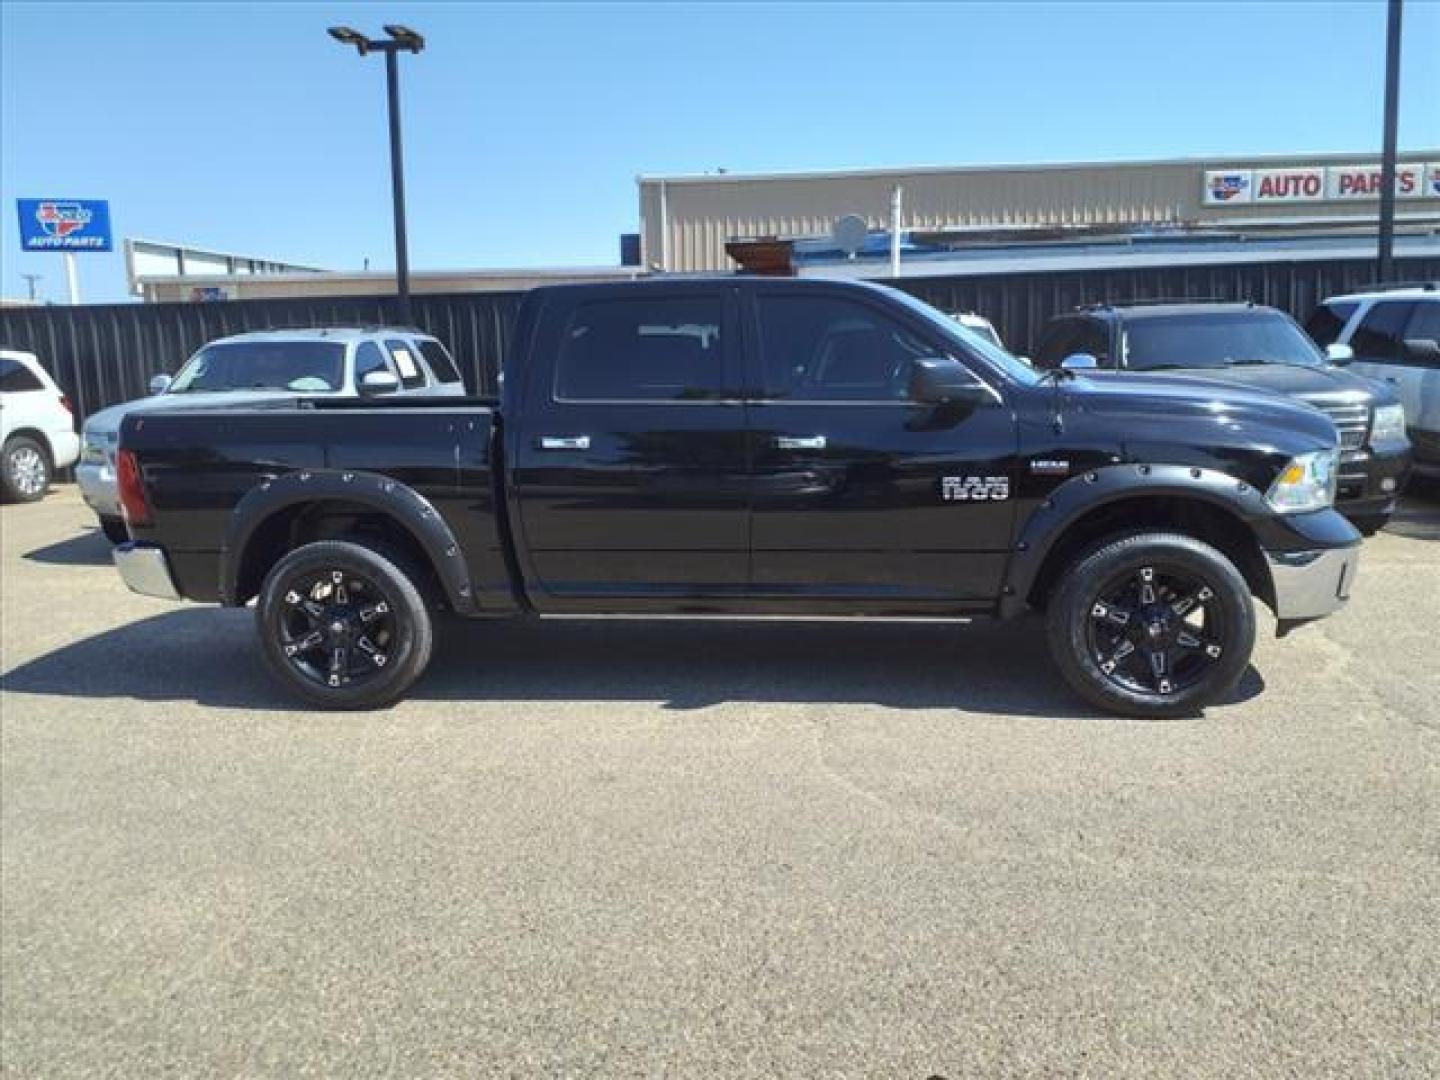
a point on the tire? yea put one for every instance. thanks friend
(24, 470)
(373, 614)
(1197, 613)
(1370, 524)
(114, 529)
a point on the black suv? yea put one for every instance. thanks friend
(1257, 347)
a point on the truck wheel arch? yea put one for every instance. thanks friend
(282, 498)
(1209, 505)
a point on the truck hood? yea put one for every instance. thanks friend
(1156, 409)
(1317, 383)
(106, 422)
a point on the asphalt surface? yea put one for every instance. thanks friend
(709, 849)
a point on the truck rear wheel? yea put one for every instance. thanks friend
(343, 625)
(1152, 625)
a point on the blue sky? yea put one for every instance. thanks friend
(243, 127)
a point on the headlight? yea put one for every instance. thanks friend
(94, 451)
(1389, 424)
(1307, 483)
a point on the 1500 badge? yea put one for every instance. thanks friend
(974, 488)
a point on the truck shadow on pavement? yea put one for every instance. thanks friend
(87, 548)
(1418, 516)
(209, 657)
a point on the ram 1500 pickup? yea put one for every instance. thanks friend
(751, 446)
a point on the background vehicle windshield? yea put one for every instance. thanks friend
(1217, 339)
(310, 367)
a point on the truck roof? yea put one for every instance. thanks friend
(341, 334)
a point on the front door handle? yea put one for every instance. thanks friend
(564, 442)
(800, 442)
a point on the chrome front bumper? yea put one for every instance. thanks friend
(145, 570)
(1312, 584)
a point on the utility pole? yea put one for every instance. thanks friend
(1386, 262)
(30, 290)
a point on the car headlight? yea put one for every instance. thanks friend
(94, 449)
(1306, 483)
(1389, 424)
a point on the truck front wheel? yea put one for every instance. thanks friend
(1152, 625)
(343, 625)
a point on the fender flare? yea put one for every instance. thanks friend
(1094, 488)
(395, 500)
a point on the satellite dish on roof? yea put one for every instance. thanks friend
(849, 233)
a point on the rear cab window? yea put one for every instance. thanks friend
(439, 360)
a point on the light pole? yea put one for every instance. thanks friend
(1386, 260)
(401, 39)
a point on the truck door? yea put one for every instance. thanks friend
(630, 467)
(860, 493)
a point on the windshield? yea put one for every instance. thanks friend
(975, 343)
(1216, 339)
(309, 367)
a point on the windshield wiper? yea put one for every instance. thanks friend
(1056, 374)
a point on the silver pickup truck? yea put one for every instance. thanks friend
(251, 368)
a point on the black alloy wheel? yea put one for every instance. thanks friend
(343, 625)
(336, 629)
(1152, 625)
(1155, 630)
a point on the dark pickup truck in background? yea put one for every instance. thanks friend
(751, 446)
(1260, 348)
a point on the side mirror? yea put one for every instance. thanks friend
(160, 383)
(1337, 353)
(374, 383)
(939, 380)
(1423, 351)
(1080, 361)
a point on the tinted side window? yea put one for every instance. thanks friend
(15, 377)
(821, 348)
(1379, 334)
(665, 349)
(1325, 324)
(1425, 323)
(1093, 338)
(439, 361)
(412, 376)
(368, 358)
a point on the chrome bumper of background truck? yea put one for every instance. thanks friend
(145, 570)
(1312, 584)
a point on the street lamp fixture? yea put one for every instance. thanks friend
(401, 39)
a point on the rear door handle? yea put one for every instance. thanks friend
(800, 442)
(564, 442)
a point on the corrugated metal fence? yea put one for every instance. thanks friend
(104, 354)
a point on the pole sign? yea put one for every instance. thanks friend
(64, 225)
(1316, 183)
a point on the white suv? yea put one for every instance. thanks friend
(37, 428)
(267, 364)
(1392, 334)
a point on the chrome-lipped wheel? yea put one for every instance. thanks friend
(1156, 630)
(337, 627)
(29, 473)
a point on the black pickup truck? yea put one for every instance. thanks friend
(751, 446)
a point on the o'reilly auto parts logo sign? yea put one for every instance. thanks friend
(1316, 183)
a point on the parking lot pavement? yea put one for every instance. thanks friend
(710, 849)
